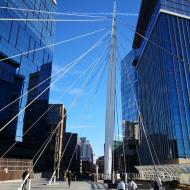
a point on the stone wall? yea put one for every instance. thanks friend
(12, 169)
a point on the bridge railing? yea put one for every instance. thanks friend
(183, 178)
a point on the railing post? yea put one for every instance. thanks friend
(29, 185)
(54, 179)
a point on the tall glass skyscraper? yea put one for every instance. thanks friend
(19, 74)
(130, 124)
(129, 108)
(163, 72)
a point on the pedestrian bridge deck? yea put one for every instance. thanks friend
(36, 185)
(79, 185)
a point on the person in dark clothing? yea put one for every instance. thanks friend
(121, 185)
(156, 187)
(26, 176)
(69, 177)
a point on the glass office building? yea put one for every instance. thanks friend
(20, 73)
(129, 109)
(163, 72)
(130, 126)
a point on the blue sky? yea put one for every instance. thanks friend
(87, 118)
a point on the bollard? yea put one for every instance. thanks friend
(29, 185)
(54, 179)
(50, 182)
(125, 178)
(113, 177)
(20, 188)
(97, 172)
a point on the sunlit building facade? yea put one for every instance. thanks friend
(129, 88)
(163, 72)
(72, 157)
(130, 125)
(56, 119)
(86, 150)
(20, 73)
(129, 108)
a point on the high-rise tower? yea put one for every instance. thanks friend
(164, 79)
(20, 73)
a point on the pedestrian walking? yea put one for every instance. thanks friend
(157, 183)
(132, 185)
(156, 187)
(121, 185)
(25, 176)
(69, 177)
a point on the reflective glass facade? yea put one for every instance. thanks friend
(164, 79)
(130, 126)
(129, 109)
(17, 75)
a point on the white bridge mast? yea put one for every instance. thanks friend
(110, 104)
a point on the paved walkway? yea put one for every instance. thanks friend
(41, 185)
(79, 185)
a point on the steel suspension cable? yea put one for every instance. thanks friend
(109, 14)
(138, 154)
(139, 113)
(118, 69)
(124, 136)
(51, 12)
(79, 14)
(101, 77)
(89, 98)
(132, 28)
(92, 65)
(123, 143)
(60, 158)
(106, 61)
(102, 63)
(72, 157)
(98, 43)
(90, 94)
(95, 81)
(150, 140)
(74, 63)
(70, 87)
(52, 20)
(57, 72)
(95, 74)
(146, 130)
(47, 142)
(62, 96)
(122, 130)
(54, 44)
(74, 99)
(53, 132)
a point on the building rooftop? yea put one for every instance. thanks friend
(146, 11)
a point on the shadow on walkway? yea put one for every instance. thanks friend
(97, 185)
